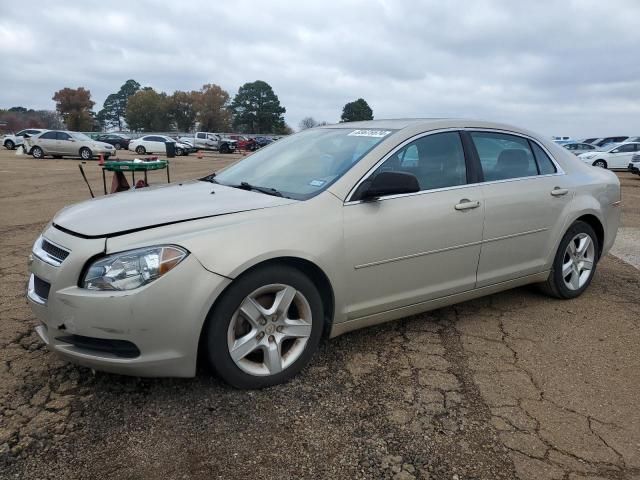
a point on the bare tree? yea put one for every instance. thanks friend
(307, 122)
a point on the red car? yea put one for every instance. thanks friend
(244, 143)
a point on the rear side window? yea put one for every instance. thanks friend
(545, 165)
(63, 136)
(504, 156)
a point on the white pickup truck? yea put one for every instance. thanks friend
(12, 141)
(210, 141)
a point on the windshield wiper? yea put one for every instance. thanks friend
(266, 190)
(209, 178)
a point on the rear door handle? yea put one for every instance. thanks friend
(466, 204)
(558, 192)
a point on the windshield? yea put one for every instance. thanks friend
(302, 165)
(80, 136)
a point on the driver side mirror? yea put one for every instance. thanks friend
(389, 183)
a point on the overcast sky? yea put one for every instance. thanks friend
(557, 67)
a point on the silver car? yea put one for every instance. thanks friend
(64, 143)
(323, 232)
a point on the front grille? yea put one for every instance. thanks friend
(54, 251)
(41, 287)
(119, 348)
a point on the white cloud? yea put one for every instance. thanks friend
(556, 67)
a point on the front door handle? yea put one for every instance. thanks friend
(558, 192)
(466, 204)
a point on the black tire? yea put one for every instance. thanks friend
(85, 153)
(218, 320)
(140, 150)
(555, 285)
(37, 152)
(106, 157)
(179, 152)
(117, 146)
(600, 163)
(224, 148)
(9, 145)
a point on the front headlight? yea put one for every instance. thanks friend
(132, 269)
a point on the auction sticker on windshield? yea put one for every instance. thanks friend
(370, 133)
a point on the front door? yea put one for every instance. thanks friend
(407, 249)
(621, 157)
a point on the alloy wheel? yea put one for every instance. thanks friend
(579, 258)
(270, 330)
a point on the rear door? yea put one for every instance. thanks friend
(525, 193)
(48, 141)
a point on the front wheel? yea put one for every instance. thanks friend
(85, 153)
(265, 327)
(600, 163)
(224, 148)
(117, 146)
(574, 263)
(9, 145)
(179, 152)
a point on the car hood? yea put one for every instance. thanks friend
(136, 210)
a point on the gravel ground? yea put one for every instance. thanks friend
(515, 385)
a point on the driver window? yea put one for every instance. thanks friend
(437, 161)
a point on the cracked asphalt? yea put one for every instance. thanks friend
(515, 385)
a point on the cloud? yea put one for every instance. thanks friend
(564, 68)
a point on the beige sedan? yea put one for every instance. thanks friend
(320, 233)
(59, 143)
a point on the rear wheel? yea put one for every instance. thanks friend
(37, 152)
(574, 263)
(265, 327)
(600, 163)
(117, 146)
(9, 145)
(224, 148)
(85, 153)
(140, 150)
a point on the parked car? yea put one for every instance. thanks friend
(157, 144)
(12, 141)
(244, 143)
(634, 165)
(324, 232)
(578, 148)
(633, 139)
(607, 140)
(263, 141)
(210, 141)
(117, 140)
(64, 143)
(616, 156)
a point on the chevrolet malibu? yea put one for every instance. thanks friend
(323, 232)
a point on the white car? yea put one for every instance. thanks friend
(614, 156)
(634, 165)
(12, 141)
(157, 144)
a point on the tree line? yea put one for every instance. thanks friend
(254, 109)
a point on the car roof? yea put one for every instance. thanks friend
(410, 126)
